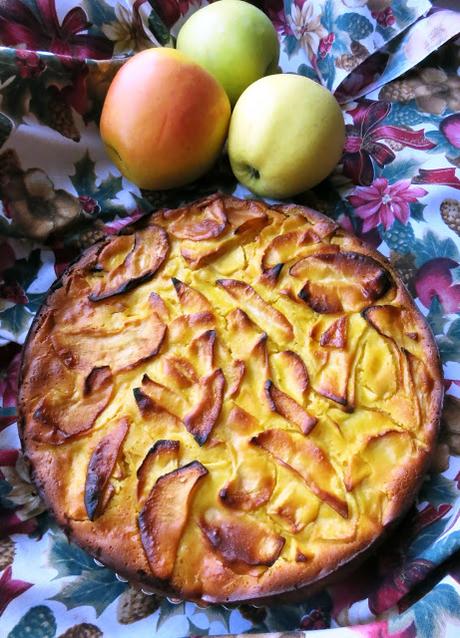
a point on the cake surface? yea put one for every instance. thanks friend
(230, 401)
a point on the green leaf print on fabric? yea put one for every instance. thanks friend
(97, 588)
(436, 319)
(449, 344)
(15, 320)
(67, 558)
(432, 246)
(430, 614)
(96, 197)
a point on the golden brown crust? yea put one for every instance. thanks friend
(230, 403)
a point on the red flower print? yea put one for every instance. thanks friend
(10, 523)
(428, 515)
(10, 588)
(385, 18)
(450, 128)
(434, 279)
(89, 205)
(325, 45)
(12, 291)
(19, 25)
(379, 629)
(315, 619)
(29, 64)
(398, 584)
(275, 11)
(364, 141)
(382, 202)
(171, 10)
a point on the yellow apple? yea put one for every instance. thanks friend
(164, 120)
(234, 41)
(286, 135)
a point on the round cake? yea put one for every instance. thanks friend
(230, 400)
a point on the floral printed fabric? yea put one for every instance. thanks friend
(393, 64)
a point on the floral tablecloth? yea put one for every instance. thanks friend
(393, 65)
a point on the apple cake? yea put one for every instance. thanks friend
(229, 401)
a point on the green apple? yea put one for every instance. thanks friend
(234, 41)
(286, 135)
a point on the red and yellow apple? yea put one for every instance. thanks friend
(164, 119)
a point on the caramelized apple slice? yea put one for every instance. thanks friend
(155, 396)
(285, 248)
(187, 327)
(323, 226)
(81, 406)
(180, 371)
(251, 486)
(380, 370)
(262, 313)
(293, 505)
(270, 276)
(235, 379)
(288, 408)
(202, 349)
(339, 282)
(100, 468)
(241, 422)
(246, 215)
(309, 461)
(147, 254)
(332, 381)
(136, 343)
(161, 453)
(336, 335)
(191, 301)
(255, 376)
(244, 334)
(393, 322)
(422, 380)
(291, 373)
(239, 538)
(163, 518)
(201, 420)
(205, 220)
(159, 307)
(387, 456)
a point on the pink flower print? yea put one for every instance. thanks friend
(325, 45)
(450, 128)
(382, 202)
